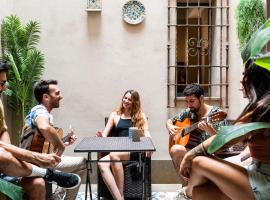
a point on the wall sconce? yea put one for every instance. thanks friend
(94, 5)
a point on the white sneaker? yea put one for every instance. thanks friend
(181, 194)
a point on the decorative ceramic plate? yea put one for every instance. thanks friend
(133, 12)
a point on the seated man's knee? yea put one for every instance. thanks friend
(34, 185)
(40, 182)
(177, 150)
(199, 162)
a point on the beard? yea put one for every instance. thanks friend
(195, 110)
(55, 104)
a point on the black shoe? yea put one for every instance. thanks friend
(62, 179)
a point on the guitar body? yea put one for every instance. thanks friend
(186, 127)
(37, 143)
(178, 139)
(40, 144)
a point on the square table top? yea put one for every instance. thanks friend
(114, 144)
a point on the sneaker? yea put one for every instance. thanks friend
(65, 180)
(181, 195)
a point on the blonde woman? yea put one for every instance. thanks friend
(129, 114)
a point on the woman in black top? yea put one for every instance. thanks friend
(129, 114)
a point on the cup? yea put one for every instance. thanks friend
(135, 134)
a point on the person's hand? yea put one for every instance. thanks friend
(185, 166)
(206, 127)
(99, 134)
(46, 160)
(71, 140)
(173, 130)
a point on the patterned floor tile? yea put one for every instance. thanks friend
(155, 196)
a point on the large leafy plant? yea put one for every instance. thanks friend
(252, 50)
(250, 14)
(19, 47)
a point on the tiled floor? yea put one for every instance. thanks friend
(166, 192)
(155, 196)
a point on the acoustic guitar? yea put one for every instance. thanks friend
(34, 140)
(185, 127)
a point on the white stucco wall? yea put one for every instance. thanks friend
(96, 56)
(236, 101)
(6, 7)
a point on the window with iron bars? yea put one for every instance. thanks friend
(198, 47)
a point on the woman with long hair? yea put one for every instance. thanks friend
(213, 178)
(129, 114)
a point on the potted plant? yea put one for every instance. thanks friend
(19, 48)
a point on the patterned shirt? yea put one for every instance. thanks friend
(38, 110)
(197, 136)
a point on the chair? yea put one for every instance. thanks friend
(133, 187)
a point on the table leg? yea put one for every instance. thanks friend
(142, 170)
(88, 180)
(143, 180)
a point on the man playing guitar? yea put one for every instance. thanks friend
(196, 111)
(48, 96)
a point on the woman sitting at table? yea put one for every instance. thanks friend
(129, 114)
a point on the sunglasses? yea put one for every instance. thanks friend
(2, 83)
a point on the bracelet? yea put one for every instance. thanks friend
(199, 150)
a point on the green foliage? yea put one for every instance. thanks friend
(18, 46)
(227, 134)
(250, 14)
(263, 62)
(257, 42)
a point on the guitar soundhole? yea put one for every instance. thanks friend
(183, 132)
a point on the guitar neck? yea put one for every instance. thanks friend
(190, 129)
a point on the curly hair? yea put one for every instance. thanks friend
(136, 111)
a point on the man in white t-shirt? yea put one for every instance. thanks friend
(48, 96)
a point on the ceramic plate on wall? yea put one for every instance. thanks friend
(133, 12)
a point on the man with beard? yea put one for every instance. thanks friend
(17, 162)
(48, 96)
(196, 110)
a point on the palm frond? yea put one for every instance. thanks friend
(14, 67)
(257, 41)
(35, 65)
(228, 133)
(32, 31)
(19, 48)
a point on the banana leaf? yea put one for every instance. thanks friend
(257, 41)
(264, 62)
(228, 133)
(11, 190)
